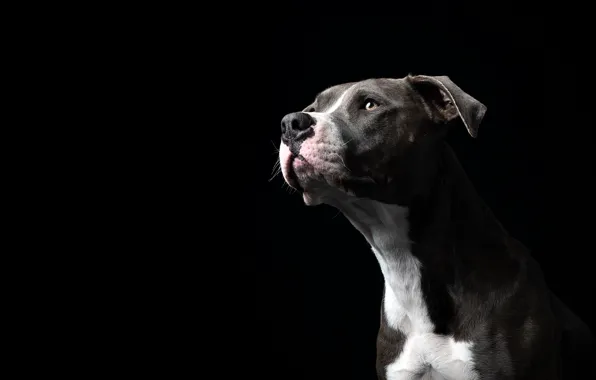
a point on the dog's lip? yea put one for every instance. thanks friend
(299, 161)
(295, 160)
(299, 156)
(292, 176)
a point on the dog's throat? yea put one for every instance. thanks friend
(385, 227)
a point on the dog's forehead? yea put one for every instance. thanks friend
(386, 86)
(333, 92)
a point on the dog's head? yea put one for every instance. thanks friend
(372, 139)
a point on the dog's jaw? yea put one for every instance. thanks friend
(317, 170)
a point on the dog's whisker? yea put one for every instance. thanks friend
(342, 162)
(276, 170)
(274, 146)
(275, 166)
(275, 174)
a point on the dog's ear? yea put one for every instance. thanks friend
(445, 101)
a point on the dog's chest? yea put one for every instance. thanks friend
(424, 355)
(432, 357)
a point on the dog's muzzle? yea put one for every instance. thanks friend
(295, 128)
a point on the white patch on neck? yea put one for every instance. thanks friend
(385, 227)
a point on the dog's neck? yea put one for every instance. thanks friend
(386, 227)
(431, 222)
(424, 237)
(451, 206)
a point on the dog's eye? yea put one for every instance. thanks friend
(370, 105)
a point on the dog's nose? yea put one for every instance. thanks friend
(296, 127)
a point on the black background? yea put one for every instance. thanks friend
(177, 208)
(307, 279)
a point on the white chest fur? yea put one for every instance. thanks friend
(425, 355)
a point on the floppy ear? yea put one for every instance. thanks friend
(446, 101)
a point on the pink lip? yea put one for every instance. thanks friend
(295, 163)
(292, 166)
(292, 177)
(298, 161)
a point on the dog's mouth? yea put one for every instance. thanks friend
(318, 176)
(292, 177)
(313, 184)
(299, 170)
(299, 173)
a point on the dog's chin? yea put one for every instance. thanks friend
(316, 192)
(318, 184)
(311, 199)
(328, 196)
(322, 194)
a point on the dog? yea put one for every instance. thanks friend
(463, 299)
